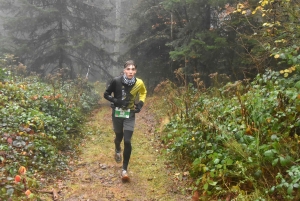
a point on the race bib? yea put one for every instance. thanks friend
(119, 112)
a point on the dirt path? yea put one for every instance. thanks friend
(97, 176)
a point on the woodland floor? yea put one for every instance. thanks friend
(96, 175)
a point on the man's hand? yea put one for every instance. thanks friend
(138, 107)
(121, 103)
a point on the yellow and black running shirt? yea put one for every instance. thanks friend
(133, 94)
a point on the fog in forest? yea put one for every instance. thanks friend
(83, 37)
(197, 41)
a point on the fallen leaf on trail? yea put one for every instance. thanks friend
(17, 178)
(9, 140)
(228, 198)
(195, 196)
(22, 170)
(28, 192)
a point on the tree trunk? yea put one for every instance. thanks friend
(60, 30)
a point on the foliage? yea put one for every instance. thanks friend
(287, 185)
(40, 125)
(150, 19)
(54, 35)
(19, 187)
(239, 39)
(240, 142)
(199, 36)
(179, 99)
(276, 33)
(3, 73)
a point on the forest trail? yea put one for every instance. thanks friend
(96, 176)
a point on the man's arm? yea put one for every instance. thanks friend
(143, 92)
(112, 89)
(109, 90)
(142, 97)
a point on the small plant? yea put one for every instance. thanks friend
(288, 185)
(20, 187)
(178, 99)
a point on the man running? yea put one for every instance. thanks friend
(129, 94)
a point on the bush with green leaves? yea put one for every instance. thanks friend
(40, 123)
(289, 183)
(237, 141)
(2, 74)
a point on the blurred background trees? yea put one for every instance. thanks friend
(232, 38)
(52, 35)
(235, 39)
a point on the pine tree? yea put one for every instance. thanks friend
(49, 35)
(149, 32)
(200, 36)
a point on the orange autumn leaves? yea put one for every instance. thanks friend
(28, 193)
(22, 171)
(35, 97)
(21, 178)
(53, 97)
(17, 178)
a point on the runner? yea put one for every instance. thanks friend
(129, 94)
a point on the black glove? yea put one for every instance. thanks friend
(121, 103)
(138, 107)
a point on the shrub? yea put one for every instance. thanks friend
(238, 141)
(40, 120)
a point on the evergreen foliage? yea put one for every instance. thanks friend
(207, 36)
(58, 34)
(146, 41)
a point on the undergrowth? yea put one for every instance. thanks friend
(40, 126)
(240, 141)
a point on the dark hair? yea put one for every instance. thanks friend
(129, 62)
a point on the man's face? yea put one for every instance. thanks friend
(130, 71)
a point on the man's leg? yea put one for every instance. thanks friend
(128, 131)
(118, 129)
(118, 140)
(127, 148)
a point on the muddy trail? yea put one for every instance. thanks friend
(96, 175)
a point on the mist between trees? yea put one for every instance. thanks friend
(94, 38)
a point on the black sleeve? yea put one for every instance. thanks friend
(109, 90)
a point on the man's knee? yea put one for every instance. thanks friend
(118, 141)
(119, 137)
(127, 137)
(127, 142)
